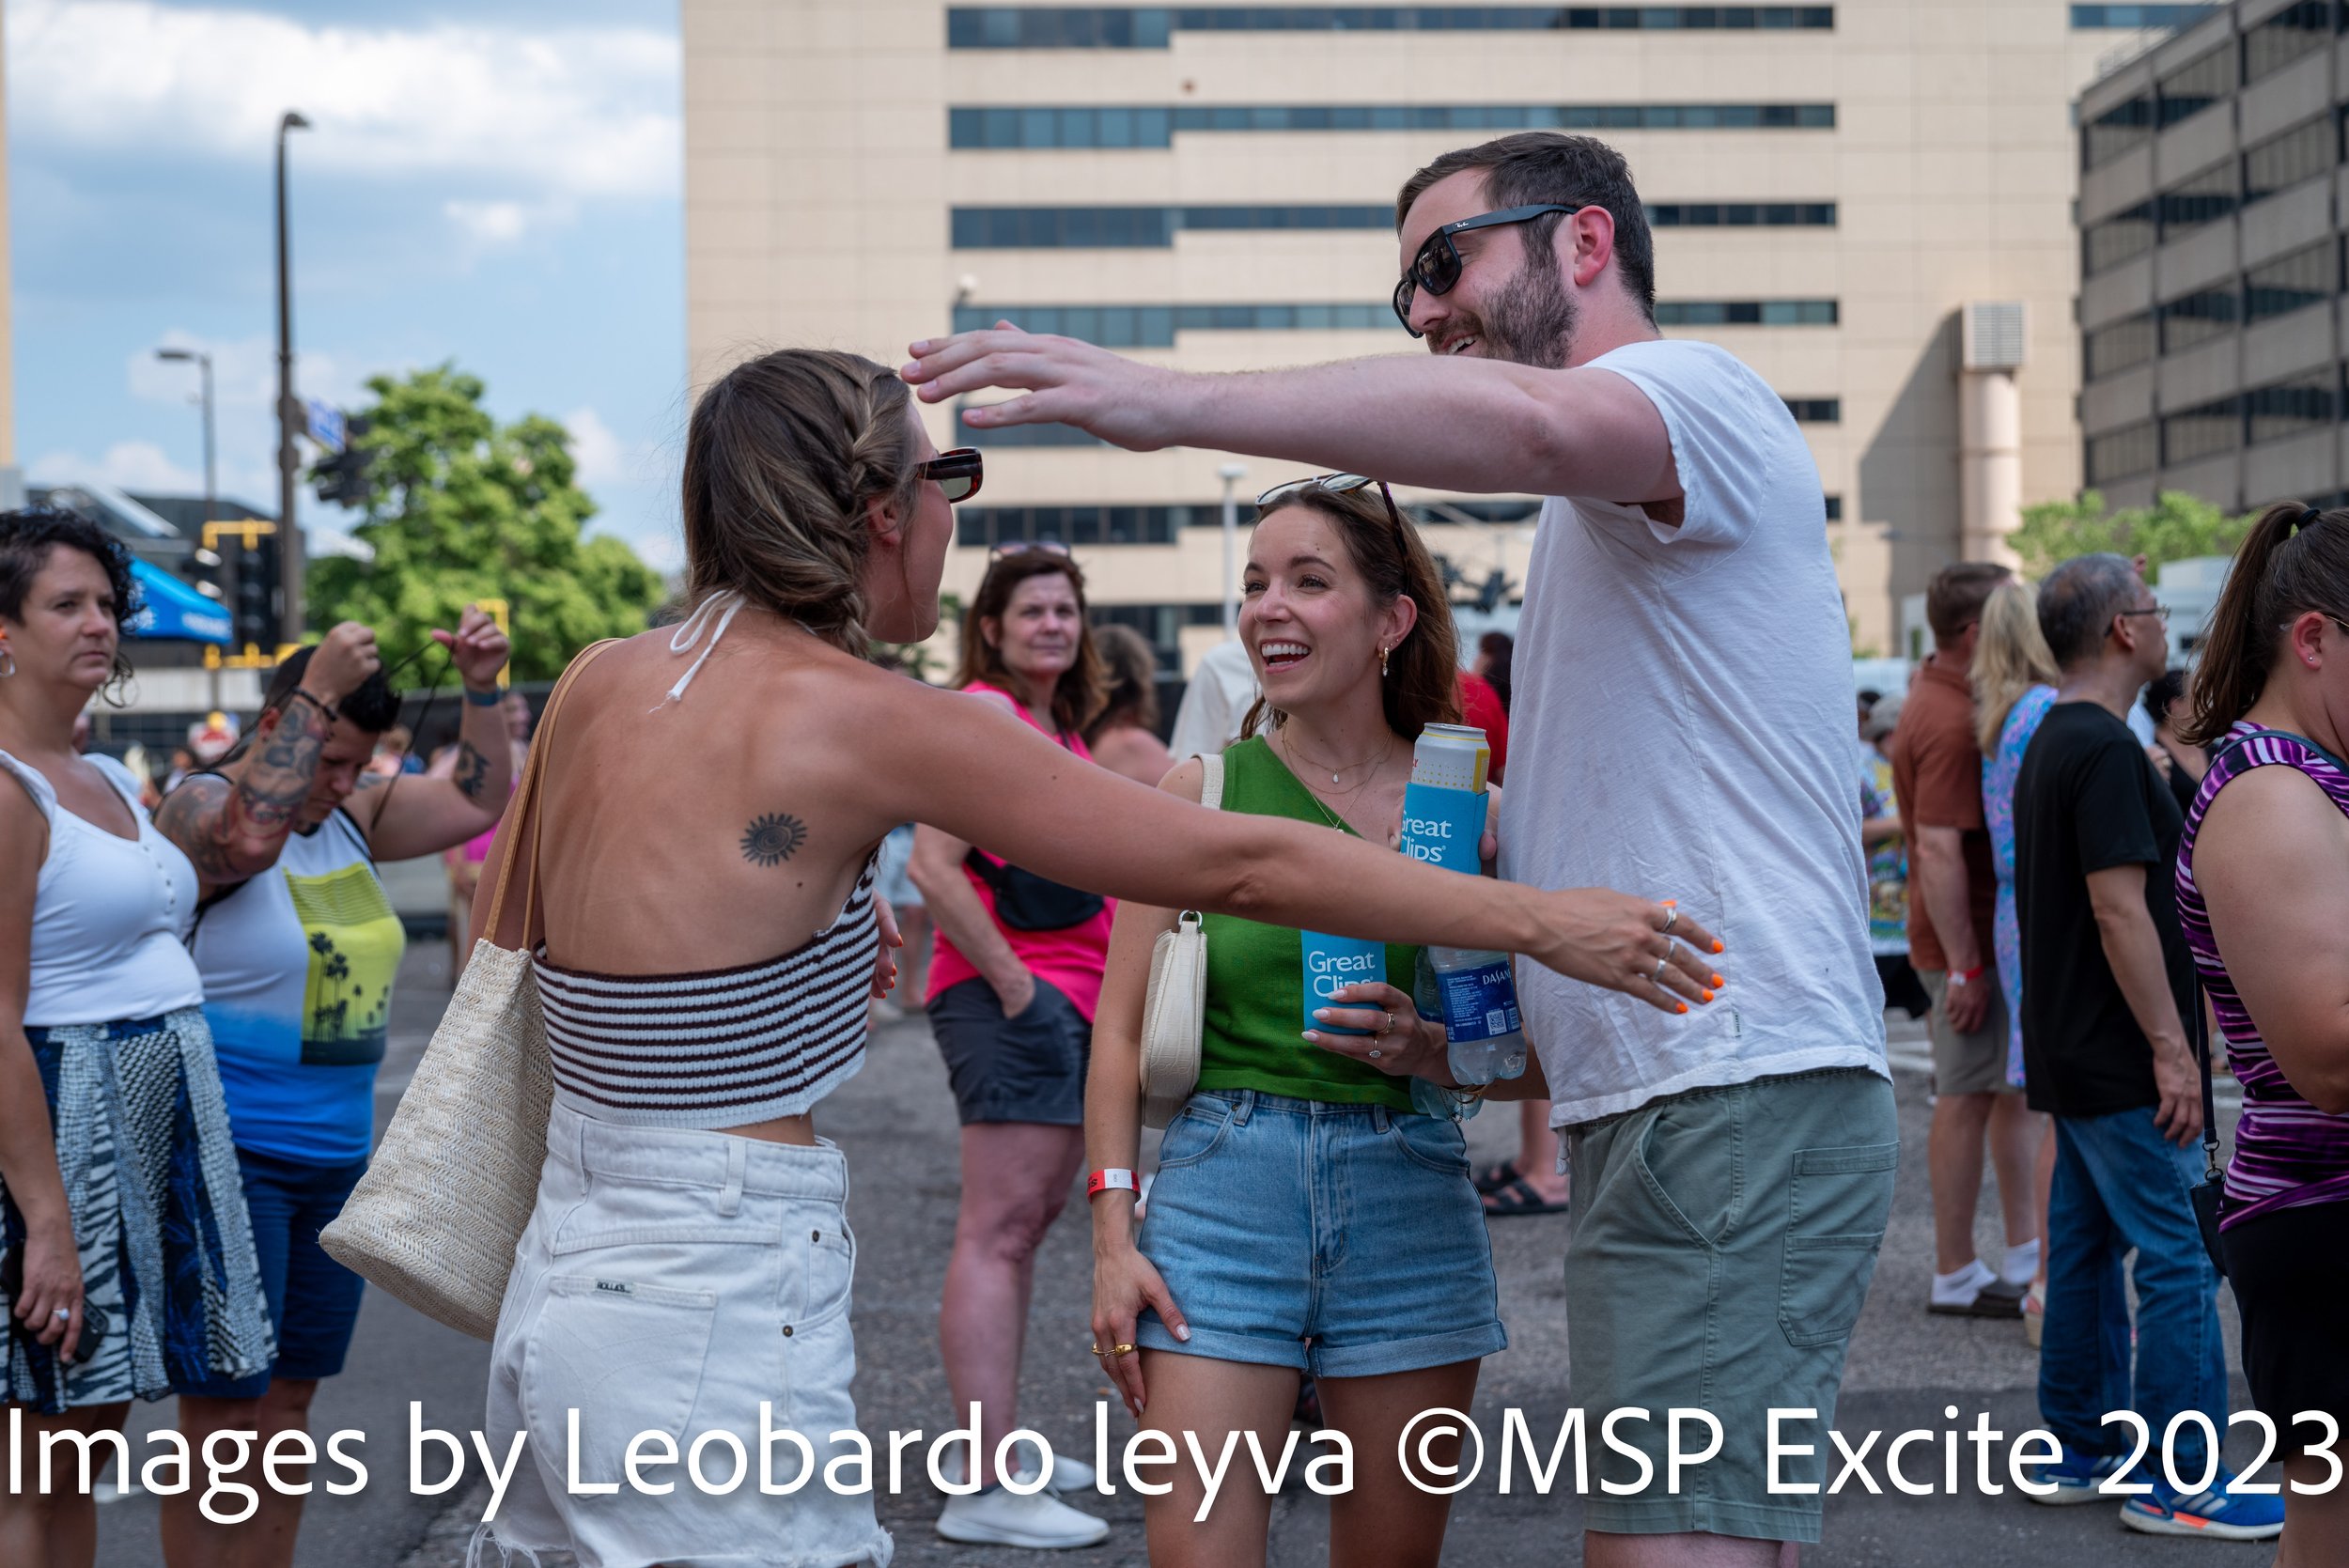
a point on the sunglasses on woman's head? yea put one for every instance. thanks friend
(1021, 547)
(1332, 483)
(958, 472)
(1437, 267)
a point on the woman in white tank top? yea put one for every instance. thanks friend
(133, 1268)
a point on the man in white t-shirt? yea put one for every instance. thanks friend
(1733, 1168)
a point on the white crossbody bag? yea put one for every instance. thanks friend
(1174, 1012)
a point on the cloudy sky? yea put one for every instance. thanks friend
(495, 183)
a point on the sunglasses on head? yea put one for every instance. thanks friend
(1023, 547)
(958, 472)
(1332, 483)
(1437, 267)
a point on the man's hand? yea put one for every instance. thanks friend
(344, 660)
(1067, 382)
(2179, 1081)
(1967, 1004)
(476, 647)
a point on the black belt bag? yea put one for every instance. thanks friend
(1026, 902)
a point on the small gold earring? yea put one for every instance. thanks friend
(1383, 658)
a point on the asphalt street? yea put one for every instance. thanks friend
(896, 1121)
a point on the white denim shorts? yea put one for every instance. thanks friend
(672, 1282)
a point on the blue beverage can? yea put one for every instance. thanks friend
(1332, 963)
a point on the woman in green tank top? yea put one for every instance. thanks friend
(1304, 1219)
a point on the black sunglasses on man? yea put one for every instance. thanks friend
(1437, 267)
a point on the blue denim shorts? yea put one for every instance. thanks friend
(1343, 1241)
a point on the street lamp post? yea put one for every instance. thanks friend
(1231, 473)
(211, 472)
(289, 463)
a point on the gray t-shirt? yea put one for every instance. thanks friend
(1682, 729)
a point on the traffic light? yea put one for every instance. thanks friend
(250, 545)
(202, 568)
(341, 476)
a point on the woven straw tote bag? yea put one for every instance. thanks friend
(435, 1219)
(1173, 1010)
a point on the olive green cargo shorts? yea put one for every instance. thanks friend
(1723, 1240)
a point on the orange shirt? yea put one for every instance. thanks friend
(1937, 775)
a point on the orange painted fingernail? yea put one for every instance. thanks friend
(1709, 996)
(1716, 945)
(1718, 981)
(1683, 1008)
(1672, 903)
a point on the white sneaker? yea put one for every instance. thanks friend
(998, 1517)
(1068, 1475)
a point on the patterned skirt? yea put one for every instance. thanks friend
(159, 1216)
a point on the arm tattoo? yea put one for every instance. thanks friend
(232, 829)
(473, 771)
(772, 839)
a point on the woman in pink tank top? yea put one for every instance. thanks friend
(1014, 982)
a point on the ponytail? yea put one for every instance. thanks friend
(2294, 559)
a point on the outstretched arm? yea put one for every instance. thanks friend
(1459, 424)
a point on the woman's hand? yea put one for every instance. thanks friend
(1123, 1283)
(885, 955)
(53, 1282)
(1618, 942)
(1398, 1041)
(1014, 992)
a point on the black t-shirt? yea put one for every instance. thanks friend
(2088, 799)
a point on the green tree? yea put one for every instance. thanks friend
(461, 508)
(2174, 527)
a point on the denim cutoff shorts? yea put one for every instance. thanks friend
(672, 1282)
(1343, 1241)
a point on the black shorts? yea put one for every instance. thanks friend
(2290, 1270)
(1031, 1068)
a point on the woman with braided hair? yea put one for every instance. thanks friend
(703, 957)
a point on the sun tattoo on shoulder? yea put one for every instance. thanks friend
(772, 839)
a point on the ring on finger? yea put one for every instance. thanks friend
(62, 1313)
(1661, 964)
(1671, 917)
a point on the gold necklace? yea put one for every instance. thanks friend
(1351, 795)
(1289, 746)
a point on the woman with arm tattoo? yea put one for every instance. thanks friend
(107, 1088)
(298, 946)
(702, 966)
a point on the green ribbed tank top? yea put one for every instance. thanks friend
(1255, 1009)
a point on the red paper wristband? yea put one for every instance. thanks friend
(1109, 1181)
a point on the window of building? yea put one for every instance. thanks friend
(1834, 509)
(2197, 199)
(2300, 153)
(2117, 239)
(2194, 86)
(2291, 282)
(1148, 27)
(982, 228)
(2116, 130)
(2117, 346)
(1746, 313)
(2295, 406)
(2136, 449)
(1104, 126)
(2089, 17)
(2202, 432)
(1155, 326)
(2295, 31)
(2196, 317)
(1022, 435)
(1742, 214)
(1816, 411)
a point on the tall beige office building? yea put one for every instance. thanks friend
(1870, 202)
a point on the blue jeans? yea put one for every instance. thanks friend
(2120, 1183)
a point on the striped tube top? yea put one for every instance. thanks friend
(721, 1048)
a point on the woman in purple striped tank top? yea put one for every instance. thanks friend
(2264, 894)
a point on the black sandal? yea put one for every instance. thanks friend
(1494, 1178)
(1519, 1197)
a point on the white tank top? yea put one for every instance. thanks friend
(110, 915)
